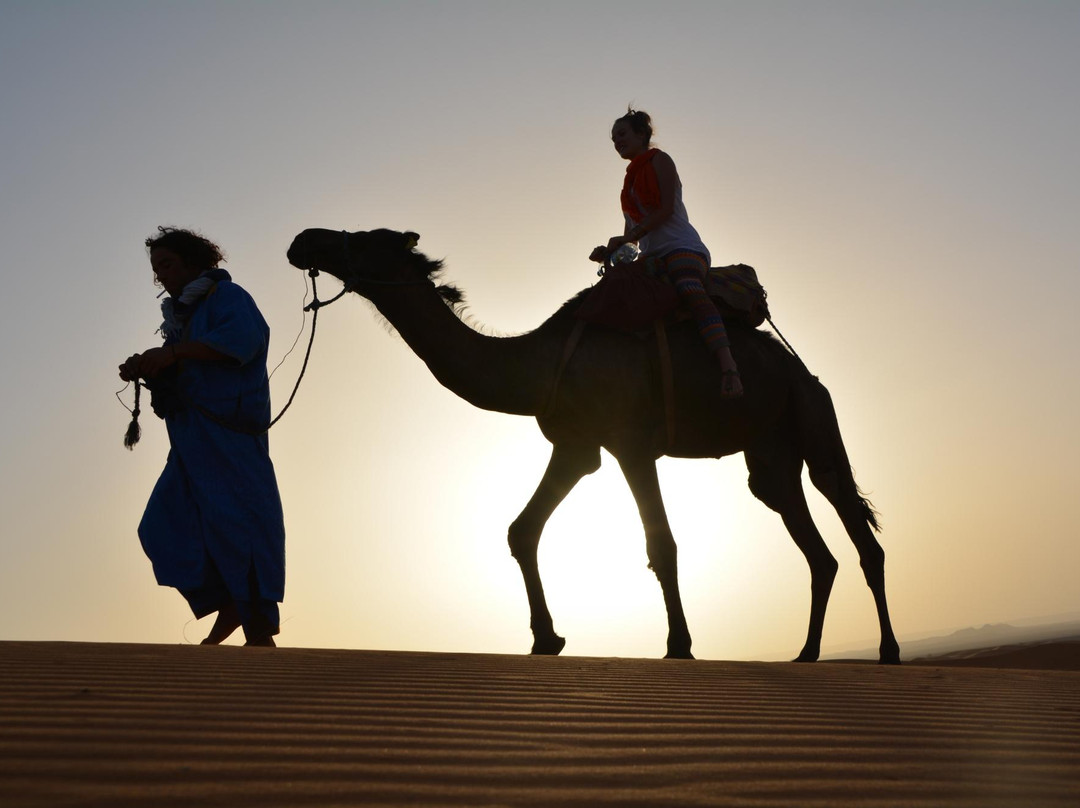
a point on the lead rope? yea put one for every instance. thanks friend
(783, 339)
(312, 273)
(134, 431)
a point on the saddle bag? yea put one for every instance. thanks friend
(737, 292)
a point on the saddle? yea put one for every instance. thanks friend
(632, 296)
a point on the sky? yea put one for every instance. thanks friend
(903, 176)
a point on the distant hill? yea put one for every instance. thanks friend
(988, 636)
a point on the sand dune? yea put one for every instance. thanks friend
(145, 725)
(1060, 655)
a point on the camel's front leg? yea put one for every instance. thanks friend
(640, 473)
(567, 466)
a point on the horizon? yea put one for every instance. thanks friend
(965, 638)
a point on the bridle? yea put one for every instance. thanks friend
(354, 281)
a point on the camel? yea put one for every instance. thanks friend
(608, 395)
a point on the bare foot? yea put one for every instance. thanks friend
(730, 383)
(228, 621)
(264, 642)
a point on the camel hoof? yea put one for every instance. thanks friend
(807, 655)
(678, 655)
(889, 655)
(549, 646)
(678, 649)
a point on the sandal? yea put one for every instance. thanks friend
(728, 378)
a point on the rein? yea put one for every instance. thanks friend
(134, 432)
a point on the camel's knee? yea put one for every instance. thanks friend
(663, 555)
(523, 538)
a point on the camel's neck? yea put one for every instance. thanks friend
(505, 374)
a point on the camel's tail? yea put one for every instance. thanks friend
(824, 452)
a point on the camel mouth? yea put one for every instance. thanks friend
(301, 253)
(299, 263)
(318, 250)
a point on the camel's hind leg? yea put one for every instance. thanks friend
(567, 466)
(838, 486)
(830, 472)
(640, 473)
(775, 479)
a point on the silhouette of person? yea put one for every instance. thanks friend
(213, 527)
(655, 219)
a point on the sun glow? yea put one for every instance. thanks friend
(594, 564)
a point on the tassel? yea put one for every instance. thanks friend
(134, 431)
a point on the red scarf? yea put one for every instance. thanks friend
(642, 182)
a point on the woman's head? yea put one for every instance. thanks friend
(632, 133)
(179, 256)
(639, 121)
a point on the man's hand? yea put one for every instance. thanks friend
(148, 364)
(129, 370)
(155, 360)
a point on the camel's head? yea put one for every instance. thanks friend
(378, 256)
(368, 261)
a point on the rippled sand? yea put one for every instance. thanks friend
(85, 724)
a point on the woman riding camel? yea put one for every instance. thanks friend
(656, 220)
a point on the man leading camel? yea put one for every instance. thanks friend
(213, 527)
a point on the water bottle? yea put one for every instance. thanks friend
(626, 254)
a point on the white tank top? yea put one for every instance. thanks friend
(675, 234)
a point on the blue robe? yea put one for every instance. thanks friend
(215, 513)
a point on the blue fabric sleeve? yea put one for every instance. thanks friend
(234, 325)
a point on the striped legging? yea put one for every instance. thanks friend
(686, 270)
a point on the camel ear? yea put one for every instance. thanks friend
(410, 240)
